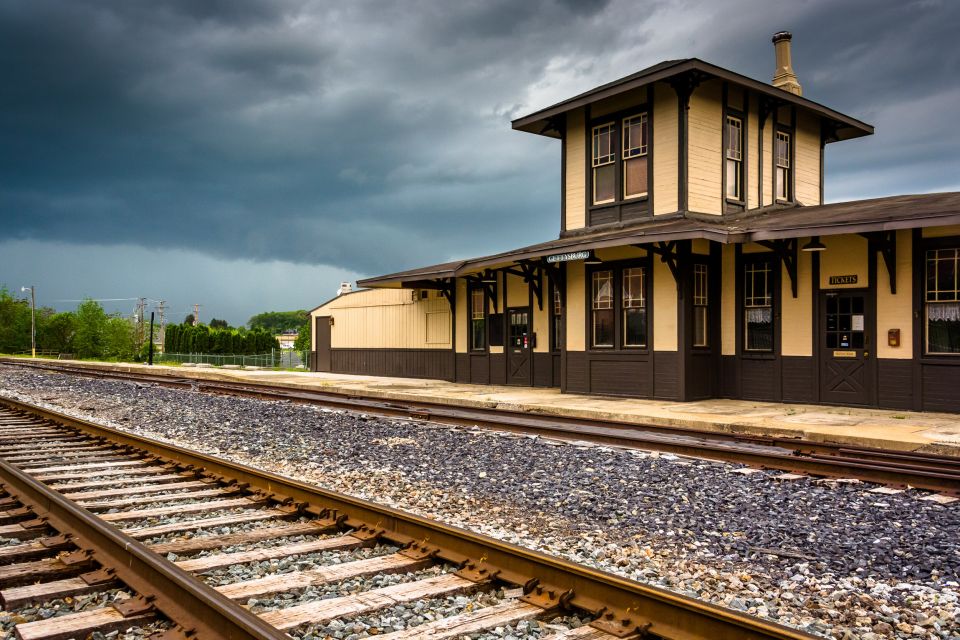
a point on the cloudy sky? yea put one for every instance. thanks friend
(249, 155)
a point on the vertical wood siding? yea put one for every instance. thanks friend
(705, 149)
(664, 308)
(753, 155)
(797, 338)
(387, 319)
(768, 160)
(896, 311)
(576, 312)
(665, 149)
(807, 170)
(576, 177)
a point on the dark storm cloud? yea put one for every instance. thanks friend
(375, 136)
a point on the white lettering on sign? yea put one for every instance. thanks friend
(567, 257)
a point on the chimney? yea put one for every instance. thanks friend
(784, 77)
(344, 288)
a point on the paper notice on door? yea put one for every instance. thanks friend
(856, 323)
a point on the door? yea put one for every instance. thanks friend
(846, 354)
(322, 347)
(519, 346)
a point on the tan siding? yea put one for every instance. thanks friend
(576, 311)
(705, 149)
(664, 308)
(517, 292)
(620, 102)
(807, 170)
(575, 170)
(387, 319)
(797, 335)
(845, 255)
(728, 305)
(463, 322)
(753, 155)
(768, 162)
(735, 97)
(541, 320)
(701, 246)
(620, 253)
(942, 232)
(664, 149)
(896, 311)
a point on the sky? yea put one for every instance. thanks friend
(249, 155)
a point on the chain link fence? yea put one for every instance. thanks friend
(277, 358)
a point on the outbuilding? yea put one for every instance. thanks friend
(696, 259)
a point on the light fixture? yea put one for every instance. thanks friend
(814, 245)
(488, 277)
(592, 259)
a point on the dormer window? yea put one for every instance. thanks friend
(604, 164)
(782, 175)
(635, 144)
(734, 158)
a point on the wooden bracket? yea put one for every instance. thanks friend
(489, 288)
(787, 251)
(448, 287)
(557, 276)
(668, 252)
(884, 243)
(685, 83)
(532, 274)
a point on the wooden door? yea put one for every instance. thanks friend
(519, 347)
(322, 346)
(847, 346)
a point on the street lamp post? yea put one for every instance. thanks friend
(33, 319)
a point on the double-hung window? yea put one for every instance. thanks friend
(601, 310)
(635, 146)
(604, 164)
(782, 175)
(734, 158)
(634, 307)
(701, 301)
(758, 305)
(478, 320)
(556, 318)
(943, 301)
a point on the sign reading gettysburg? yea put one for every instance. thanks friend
(567, 257)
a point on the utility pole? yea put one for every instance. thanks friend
(141, 304)
(150, 357)
(163, 332)
(33, 319)
(196, 314)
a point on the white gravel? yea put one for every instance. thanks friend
(851, 564)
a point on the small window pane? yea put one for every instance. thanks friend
(635, 327)
(602, 309)
(759, 325)
(603, 150)
(700, 332)
(635, 177)
(603, 290)
(635, 136)
(604, 184)
(633, 287)
(943, 327)
(477, 320)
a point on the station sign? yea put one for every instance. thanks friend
(843, 279)
(568, 257)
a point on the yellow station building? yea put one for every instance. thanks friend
(696, 259)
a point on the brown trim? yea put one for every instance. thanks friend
(563, 178)
(406, 363)
(617, 267)
(534, 122)
(815, 306)
(732, 205)
(751, 365)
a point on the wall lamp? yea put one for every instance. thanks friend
(814, 245)
(488, 277)
(592, 259)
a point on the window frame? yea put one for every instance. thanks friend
(701, 302)
(941, 244)
(611, 159)
(617, 268)
(643, 152)
(617, 119)
(471, 347)
(779, 130)
(557, 309)
(728, 115)
(748, 260)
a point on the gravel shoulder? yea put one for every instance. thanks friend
(831, 558)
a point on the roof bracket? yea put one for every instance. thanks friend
(884, 243)
(533, 276)
(558, 277)
(786, 250)
(488, 282)
(448, 287)
(669, 255)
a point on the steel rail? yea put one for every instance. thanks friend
(933, 472)
(623, 607)
(186, 601)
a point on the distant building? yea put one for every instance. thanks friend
(696, 259)
(287, 339)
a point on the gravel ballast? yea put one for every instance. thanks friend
(831, 558)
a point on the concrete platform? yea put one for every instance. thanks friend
(898, 430)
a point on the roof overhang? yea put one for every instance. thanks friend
(542, 122)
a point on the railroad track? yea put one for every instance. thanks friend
(77, 517)
(900, 469)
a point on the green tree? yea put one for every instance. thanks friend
(56, 332)
(302, 342)
(88, 340)
(119, 339)
(275, 322)
(219, 324)
(14, 322)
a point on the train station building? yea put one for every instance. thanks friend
(696, 259)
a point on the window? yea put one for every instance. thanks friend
(556, 317)
(604, 164)
(734, 158)
(943, 301)
(701, 314)
(634, 307)
(783, 166)
(478, 322)
(758, 306)
(602, 309)
(635, 144)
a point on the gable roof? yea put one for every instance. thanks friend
(539, 122)
(858, 216)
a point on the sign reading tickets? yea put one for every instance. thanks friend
(567, 257)
(843, 279)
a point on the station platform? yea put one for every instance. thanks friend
(895, 430)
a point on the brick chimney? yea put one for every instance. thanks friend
(784, 77)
